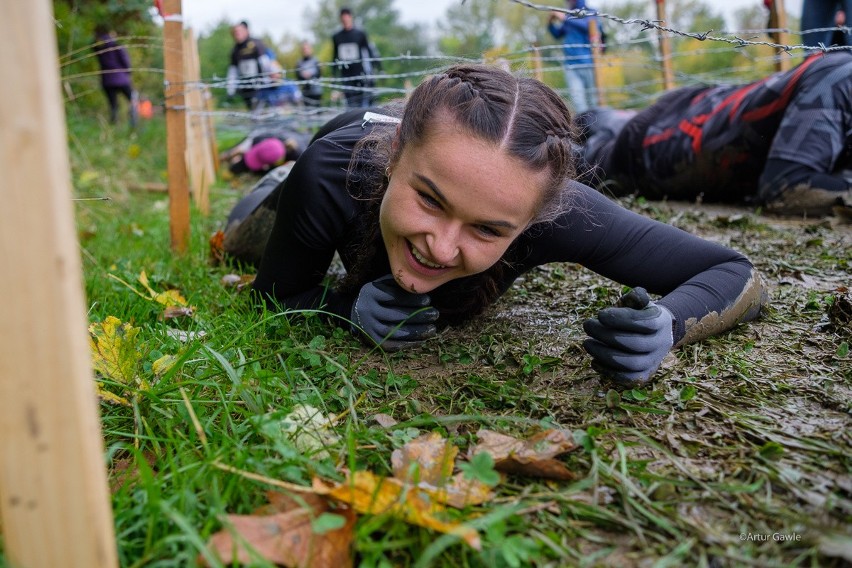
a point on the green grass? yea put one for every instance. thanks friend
(744, 433)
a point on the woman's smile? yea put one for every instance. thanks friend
(453, 206)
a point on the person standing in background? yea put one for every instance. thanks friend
(309, 71)
(820, 15)
(579, 66)
(115, 72)
(249, 67)
(352, 56)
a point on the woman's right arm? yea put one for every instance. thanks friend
(313, 213)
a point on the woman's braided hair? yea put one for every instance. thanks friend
(524, 117)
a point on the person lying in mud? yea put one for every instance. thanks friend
(783, 143)
(437, 207)
(263, 150)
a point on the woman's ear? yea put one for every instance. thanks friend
(395, 142)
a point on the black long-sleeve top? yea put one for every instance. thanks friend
(317, 215)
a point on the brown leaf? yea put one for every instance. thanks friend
(172, 312)
(288, 538)
(240, 281)
(385, 420)
(217, 247)
(124, 471)
(532, 457)
(429, 458)
(428, 462)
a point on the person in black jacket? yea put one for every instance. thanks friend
(249, 67)
(352, 61)
(309, 71)
(783, 142)
(437, 206)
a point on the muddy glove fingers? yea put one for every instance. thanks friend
(629, 340)
(391, 316)
(627, 344)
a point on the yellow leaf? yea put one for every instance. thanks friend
(369, 494)
(167, 298)
(115, 349)
(162, 365)
(170, 298)
(107, 396)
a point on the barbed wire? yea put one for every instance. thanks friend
(637, 55)
(646, 24)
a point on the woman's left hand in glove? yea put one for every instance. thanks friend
(628, 343)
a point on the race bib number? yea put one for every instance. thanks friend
(348, 52)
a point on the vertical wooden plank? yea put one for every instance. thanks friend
(176, 125)
(200, 163)
(54, 499)
(536, 62)
(211, 131)
(595, 39)
(778, 20)
(665, 48)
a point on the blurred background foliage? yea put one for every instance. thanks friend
(473, 29)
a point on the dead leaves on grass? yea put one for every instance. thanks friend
(173, 302)
(533, 457)
(316, 528)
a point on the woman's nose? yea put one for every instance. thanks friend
(444, 243)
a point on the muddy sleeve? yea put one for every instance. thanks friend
(313, 213)
(707, 287)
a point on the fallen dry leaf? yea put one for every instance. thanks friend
(115, 355)
(532, 457)
(124, 471)
(370, 494)
(428, 462)
(172, 312)
(217, 247)
(288, 538)
(168, 298)
(429, 458)
(231, 280)
(385, 420)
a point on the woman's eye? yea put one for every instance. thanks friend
(429, 200)
(487, 231)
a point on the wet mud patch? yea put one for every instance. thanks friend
(747, 432)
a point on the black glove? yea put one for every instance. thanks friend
(628, 343)
(393, 317)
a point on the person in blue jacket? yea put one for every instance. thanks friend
(578, 64)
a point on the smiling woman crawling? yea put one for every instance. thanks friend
(436, 207)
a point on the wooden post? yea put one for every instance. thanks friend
(665, 48)
(536, 62)
(54, 498)
(199, 161)
(778, 20)
(176, 125)
(595, 40)
(211, 130)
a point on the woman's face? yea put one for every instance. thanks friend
(453, 206)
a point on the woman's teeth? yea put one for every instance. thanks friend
(422, 260)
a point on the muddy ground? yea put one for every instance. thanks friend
(742, 435)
